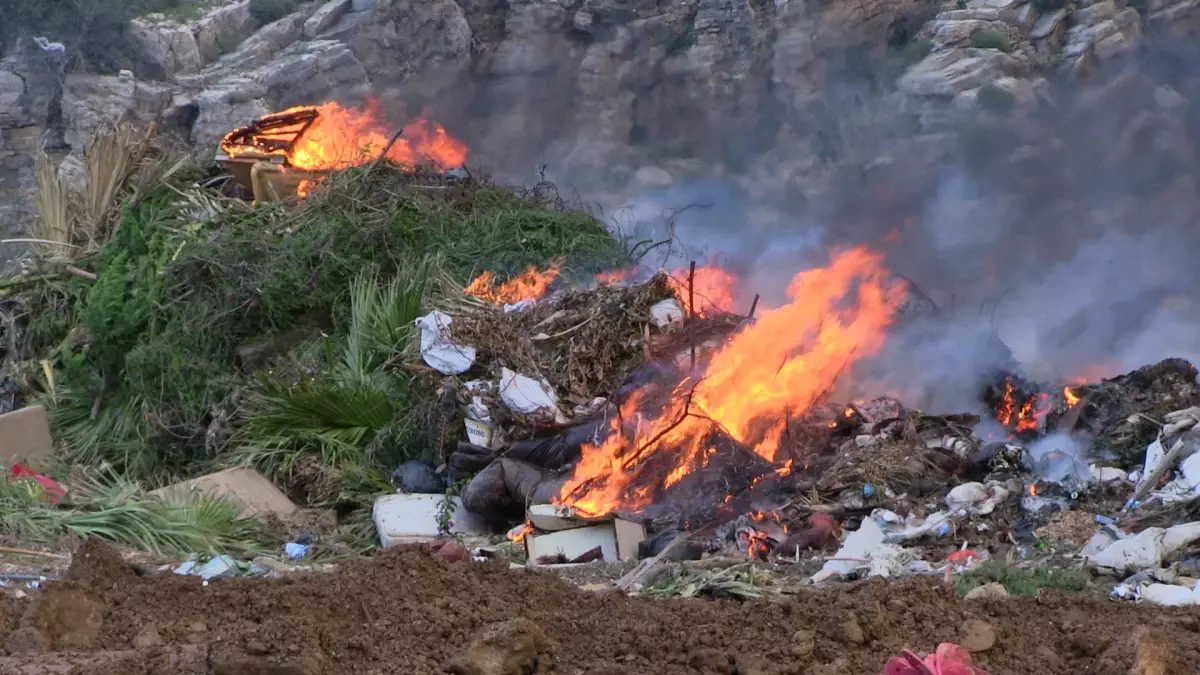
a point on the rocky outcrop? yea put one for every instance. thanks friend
(627, 88)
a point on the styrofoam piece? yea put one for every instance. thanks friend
(413, 518)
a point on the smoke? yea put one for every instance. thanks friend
(1060, 240)
(1060, 456)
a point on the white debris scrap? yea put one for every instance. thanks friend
(976, 498)
(526, 395)
(519, 306)
(856, 551)
(437, 350)
(1146, 550)
(666, 312)
(897, 529)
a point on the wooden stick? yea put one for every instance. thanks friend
(82, 274)
(692, 308)
(29, 552)
(643, 568)
(1151, 478)
(753, 306)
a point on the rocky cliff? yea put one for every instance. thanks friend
(764, 88)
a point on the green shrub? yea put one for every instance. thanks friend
(146, 358)
(267, 11)
(917, 50)
(990, 39)
(996, 99)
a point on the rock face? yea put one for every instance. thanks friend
(582, 83)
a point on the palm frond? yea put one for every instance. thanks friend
(381, 319)
(109, 507)
(330, 419)
(56, 221)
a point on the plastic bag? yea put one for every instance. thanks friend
(949, 659)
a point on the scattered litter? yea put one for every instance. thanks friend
(438, 351)
(897, 529)
(294, 551)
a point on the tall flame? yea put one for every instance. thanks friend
(775, 368)
(711, 287)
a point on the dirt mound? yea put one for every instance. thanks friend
(407, 612)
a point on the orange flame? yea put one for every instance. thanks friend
(712, 287)
(777, 367)
(1032, 411)
(528, 285)
(340, 138)
(1029, 416)
(616, 276)
(518, 537)
(1070, 397)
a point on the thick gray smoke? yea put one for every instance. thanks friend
(1072, 239)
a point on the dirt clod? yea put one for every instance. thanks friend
(977, 636)
(65, 618)
(99, 567)
(852, 632)
(992, 591)
(148, 637)
(510, 648)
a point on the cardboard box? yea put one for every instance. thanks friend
(25, 438)
(249, 489)
(618, 540)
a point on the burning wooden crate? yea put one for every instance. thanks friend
(556, 535)
(284, 154)
(259, 155)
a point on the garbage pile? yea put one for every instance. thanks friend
(567, 402)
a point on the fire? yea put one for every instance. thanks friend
(518, 537)
(1032, 411)
(616, 276)
(770, 371)
(528, 285)
(1070, 397)
(1030, 414)
(712, 288)
(339, 138)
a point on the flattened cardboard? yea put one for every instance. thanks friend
(253, 492)
(25, 438)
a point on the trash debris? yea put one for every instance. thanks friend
(245, 487)
(438, 351)
(526, 395)
(1147, 549)
(949, 659)
(295, 551)
(53, 491)
(558, 536)
(976, 498)
(416, 518)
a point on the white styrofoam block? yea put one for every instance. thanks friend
(573, 543)
(408, 518)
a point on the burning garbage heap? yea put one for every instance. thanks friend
(643, 414)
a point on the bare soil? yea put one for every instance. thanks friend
(408, 612)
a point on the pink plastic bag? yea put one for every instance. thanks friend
(54, 491)
(949, 659)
